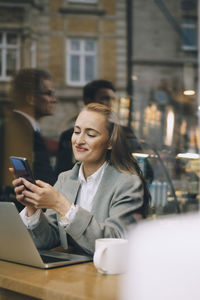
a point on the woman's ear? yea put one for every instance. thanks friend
(109, 147)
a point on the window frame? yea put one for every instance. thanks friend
(4, 47)
(193, 26)
(82, 54)
(33, 50)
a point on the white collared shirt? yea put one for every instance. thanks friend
(89, 187)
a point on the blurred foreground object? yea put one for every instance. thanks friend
(164, 260)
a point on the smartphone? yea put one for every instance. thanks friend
(22, 168)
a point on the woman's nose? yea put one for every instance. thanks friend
(80, 139)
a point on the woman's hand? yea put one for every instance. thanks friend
(43, 195)
(19, 188)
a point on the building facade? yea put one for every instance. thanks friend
(76, 41)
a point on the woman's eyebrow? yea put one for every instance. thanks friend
(86, 129)
(92, 129)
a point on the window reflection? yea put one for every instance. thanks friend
(11, 62)
(11, 39)
(81, 61)
(9, 54)
(147, 49)
(189, 34)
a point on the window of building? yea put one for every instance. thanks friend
(33, 54)
(9, 54)
(189, 34)
(81, 61)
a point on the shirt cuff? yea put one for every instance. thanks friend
(67, 219)
(32, 220)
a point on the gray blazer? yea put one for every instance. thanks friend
(117, 198)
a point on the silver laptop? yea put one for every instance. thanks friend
(16, 243)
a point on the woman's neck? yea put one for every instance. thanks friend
(89, 169)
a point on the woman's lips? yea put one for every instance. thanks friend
(80, 149)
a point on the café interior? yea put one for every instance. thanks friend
(150, 51)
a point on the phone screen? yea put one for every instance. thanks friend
(22, 169)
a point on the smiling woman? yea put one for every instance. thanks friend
(90, 140)
(102, 196)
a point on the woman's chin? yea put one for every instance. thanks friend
(80, 157)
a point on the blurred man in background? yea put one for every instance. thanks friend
(33, 98)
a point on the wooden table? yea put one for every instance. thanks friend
(80, 281)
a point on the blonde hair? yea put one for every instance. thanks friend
(120, 155)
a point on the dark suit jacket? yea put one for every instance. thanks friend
(19, 139)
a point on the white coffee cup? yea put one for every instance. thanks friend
(110, 255)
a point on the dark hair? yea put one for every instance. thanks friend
(120, 155)
(27, 82)
(90, 89)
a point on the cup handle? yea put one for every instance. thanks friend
(97, 259)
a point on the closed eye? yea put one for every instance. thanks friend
(91, 135)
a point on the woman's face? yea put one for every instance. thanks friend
(90, 138)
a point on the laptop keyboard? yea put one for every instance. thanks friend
(50, 259)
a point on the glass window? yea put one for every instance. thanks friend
(89, 45)
(164, 102)
(81, 58)
(75, 45)
(12, 39)
(189, 34)
(148, 50)
(75, 68)
(11, 61)
(9, 54)
(89, 67)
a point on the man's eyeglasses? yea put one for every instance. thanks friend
(48, 93)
